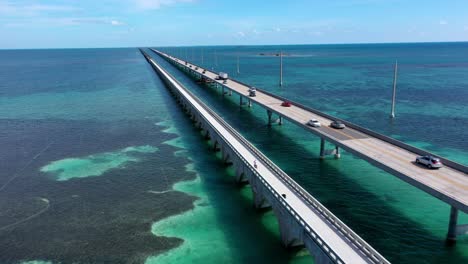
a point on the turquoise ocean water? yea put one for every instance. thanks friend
(98, 164)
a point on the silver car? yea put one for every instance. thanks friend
(429, 161)
(337, 124)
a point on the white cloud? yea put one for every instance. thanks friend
(116, 23)
(65, 21)
(443, 22)
(240, 34)
(91, 20)
(30, 14)
(156, 4)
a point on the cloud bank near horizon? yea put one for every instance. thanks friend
(112, 23)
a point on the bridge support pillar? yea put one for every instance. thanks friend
(240, 174)
(240, 100)
(215, 146)
(320, 257)
(222, 90)
(290, 231)
(260, 201)
(207, 135)
(230, 92)
(269, 113)
(250, 103)
(225, 155)
(452, 228)
(280, 121)
(337, 152)
(322, 148)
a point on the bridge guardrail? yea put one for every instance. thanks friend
(347, 232)
(418, 151)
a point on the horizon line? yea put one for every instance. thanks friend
(243, 45)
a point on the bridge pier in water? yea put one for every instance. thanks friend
(271, 121)
(240, 172)
(337, 152)
(324, 152)
(269, 117)
(207, 135)
(216, 146)
(259, 198)
(291, 232)
(226, 155)
(454, 229)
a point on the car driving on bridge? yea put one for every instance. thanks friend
(252, 91)
(314, 123)
(429, 161)
(286, 104)
(337, 124)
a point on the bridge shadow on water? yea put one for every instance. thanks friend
(396, 236)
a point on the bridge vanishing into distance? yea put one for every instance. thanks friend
(303, 220)
(449, 183)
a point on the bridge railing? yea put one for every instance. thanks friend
(418, 151)
(359, 243)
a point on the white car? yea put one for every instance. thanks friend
(314, 123)
(429, 161)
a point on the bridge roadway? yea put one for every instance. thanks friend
(449, 184)
(342, 244)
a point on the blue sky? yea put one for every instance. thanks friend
(124, 23)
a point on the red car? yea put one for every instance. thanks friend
(286, 104)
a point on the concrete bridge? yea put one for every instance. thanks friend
(449, 184)
(302, 219)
